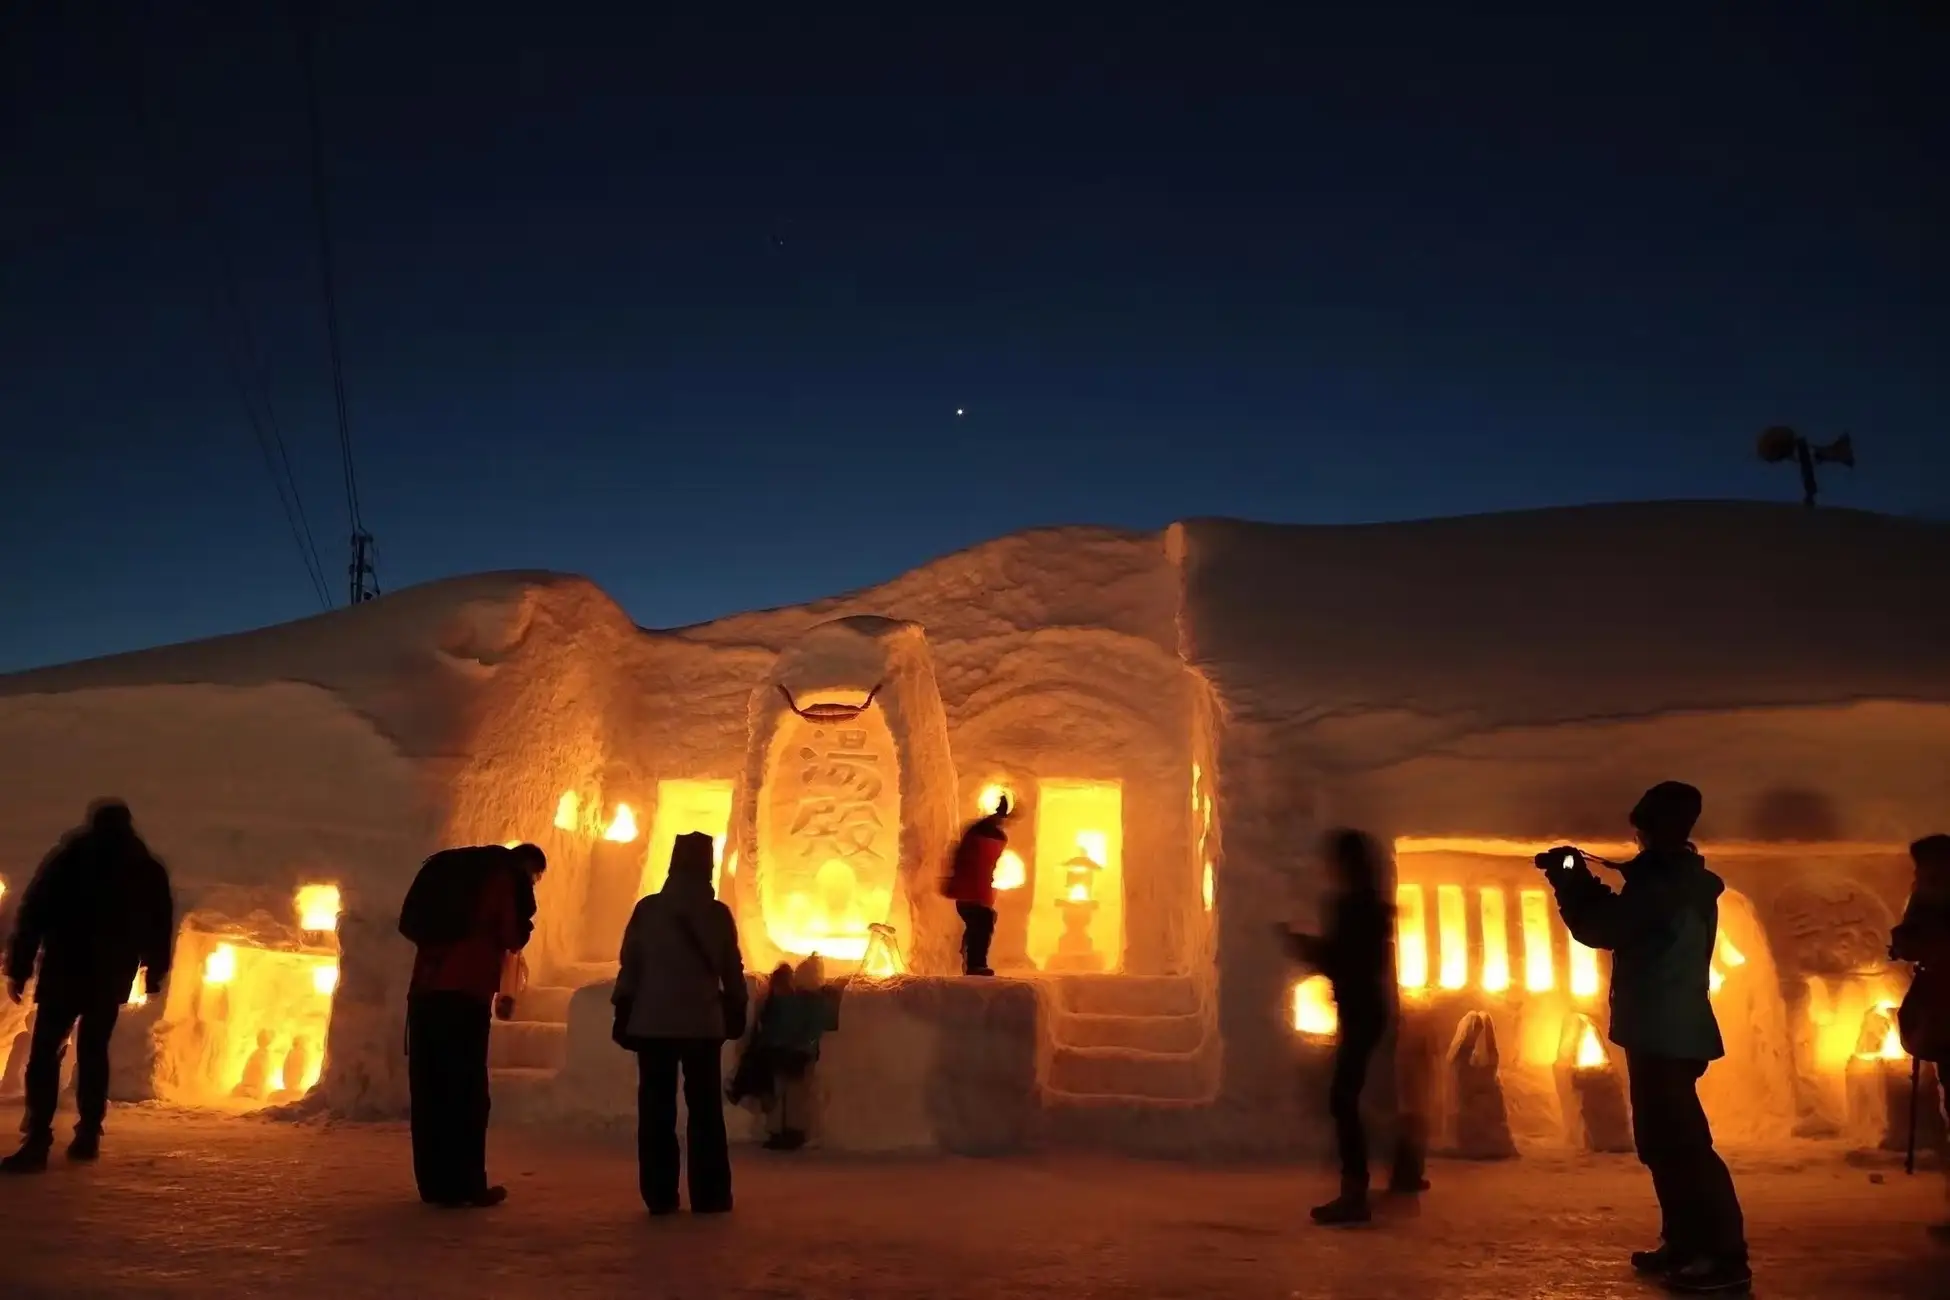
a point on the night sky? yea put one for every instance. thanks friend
(690, 304)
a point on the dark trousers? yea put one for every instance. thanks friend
(447, 1073)
(658, 1062)
(92, 1027)
(978, 930)
(1359, 1037)
(1699, 1214)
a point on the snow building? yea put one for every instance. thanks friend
(1177, 715)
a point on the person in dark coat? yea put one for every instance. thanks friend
(97, 912)
(971, 886)
(467, 910)
(1357, 954)
(1661, 928)
(1922, 938)
(680, 995)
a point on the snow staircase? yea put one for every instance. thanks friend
(1127, 1041)
(535, 1044)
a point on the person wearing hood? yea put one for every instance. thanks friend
(680, 995)
(1922, 938)
(970, 885)
(1661, 928)
(97, 912)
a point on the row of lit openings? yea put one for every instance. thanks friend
(1313, 1002)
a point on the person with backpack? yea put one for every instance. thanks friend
(97, 912)
(970, 885)
(465, 912)
(1922, 938)
(680, 996)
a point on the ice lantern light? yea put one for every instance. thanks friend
(318, 908)
(622, 827)
(1074, 950)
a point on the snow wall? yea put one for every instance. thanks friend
(1242, 687)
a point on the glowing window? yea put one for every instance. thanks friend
(1452, 930)
(1584, 971)
(622, 826)
(568, 811)
(682, 807)
(1538, 972)
(1314, 1012)
(1010, 871)
(1496, 942)
(318, 908)
(1411, 937)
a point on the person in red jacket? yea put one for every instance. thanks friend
(971, 884)
(467, 911)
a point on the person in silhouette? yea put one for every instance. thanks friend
(1357, 954)
(466, 910)
(97, 912)
(1923, 939)
(680, 995)
(971, 885)
(1661, 928)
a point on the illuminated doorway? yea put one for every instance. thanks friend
(1076, 919)
(682, 807)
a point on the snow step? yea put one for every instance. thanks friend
(529, 1044)
(1127, 995)
(1160, 1035)
(1114, 1072)
(544, 1002)
(581, 974)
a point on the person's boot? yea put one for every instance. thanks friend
(1711, 1277)
(1657, 1262)
(1346, 1210)
(485, 1199)
(31, 1158)
(87, 1145)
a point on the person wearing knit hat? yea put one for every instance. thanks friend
(1661, 928)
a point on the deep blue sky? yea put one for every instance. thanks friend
(689, 308)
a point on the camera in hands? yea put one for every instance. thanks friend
(1561, 858)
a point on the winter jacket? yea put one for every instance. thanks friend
(1356, 954)
(679, 963)
(98, 910)
(1661, 929)
(1923, 937)
(794, 1022)
(971, 877)
(504, 912)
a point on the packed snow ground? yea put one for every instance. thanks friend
(203, 1206)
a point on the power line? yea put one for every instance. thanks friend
(361, 567)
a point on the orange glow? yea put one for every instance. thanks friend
(1539, 973)
(318, 908)
(1411, 937)
(568, 811)
(882, 959)
(622, 827)
(1452, 930)
(1584, 971)
(991, 797)
(1314, 1012)
(731, 864)
(1591, 1049)
(325, 978)
(1076, 916)
(1496, 942)
(138, 996)
(1010, 871)
(3, 887)
(1886, 1041)
(1724, 955)
(1205, 887)
(220, 967)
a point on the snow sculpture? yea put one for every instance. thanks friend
(846, 808)
(1480, 1119)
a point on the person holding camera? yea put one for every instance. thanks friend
(1661, 928)
(1922, 938)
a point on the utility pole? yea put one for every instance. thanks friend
(365, 583)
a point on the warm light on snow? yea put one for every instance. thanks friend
(1724, 955)
(568, 811)
(1885, 1040)
(731, 864)
(622, 827)
(1591, 1049)
(991, 798)
(318, 908)
(1538, 973)
(138, 996)
(1010, 871)
(882, 960)
(220, 967)
(1452, 931)
(1205, 887)
(325, 978)
(1411, 937)
(1496, 941)
(1314, 1012)
(1584, 971)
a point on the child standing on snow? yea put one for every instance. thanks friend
(778, 1067)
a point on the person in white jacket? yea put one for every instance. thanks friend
(680, 994)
